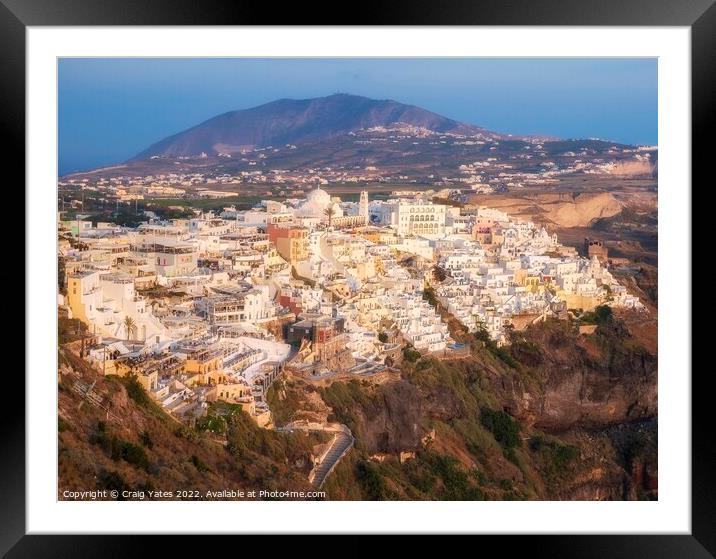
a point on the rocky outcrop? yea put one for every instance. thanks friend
(585, 406)
(632, 168)
(561, 209)
(583, 210)
(581, 381)
(392, 422)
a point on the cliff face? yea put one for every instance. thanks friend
(397, 423)
(580, 421)
(558, 415)
(561, 209)
(583, 210)
(122, 441)
(588, 382)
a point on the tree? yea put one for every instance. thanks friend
(439, 273)
(411, 354)
(600, 315)
(130, 327)
(505, 429)
(61, 280)
(330, 211)
(608, 292)
(429, 296)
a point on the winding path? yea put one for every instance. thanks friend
(340, 445)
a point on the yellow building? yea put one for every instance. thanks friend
(204, 361)
(584, 302)
(234, 393)
(83, 293)
(291, 242)
(149, 379)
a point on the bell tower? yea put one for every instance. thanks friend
(363, 207)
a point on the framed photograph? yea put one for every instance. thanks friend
(396, 275)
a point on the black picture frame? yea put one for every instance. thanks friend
(699, 15)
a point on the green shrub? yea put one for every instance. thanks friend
(505, 429)
(136, 392)
(134, 454)
(139, 396)
(199, 463)
(527, 353)
(536, 443)
(112, 481)
(410, 354)
(502, 353)
(118, 449)
(511, 455)
(457, 484)
(482, 335)
(563, 456)
(600, 315)
(557, 457)
(505, 355)
(245, 439)
(372, 483)
(213, 423)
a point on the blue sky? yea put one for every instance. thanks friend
(110, 109)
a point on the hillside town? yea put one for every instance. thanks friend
(216, 306)
(486, 163)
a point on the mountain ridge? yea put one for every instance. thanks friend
(287, 121)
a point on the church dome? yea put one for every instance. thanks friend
(319, 197)
(316, 203)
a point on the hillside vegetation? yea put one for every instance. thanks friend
(556, 415)
(131, 444)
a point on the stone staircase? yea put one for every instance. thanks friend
(341, 444)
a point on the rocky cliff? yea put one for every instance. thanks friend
(583, 210)
(560, 209)
(119, 439)
(557, 416)
(581, 381)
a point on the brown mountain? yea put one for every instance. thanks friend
(289, 121)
